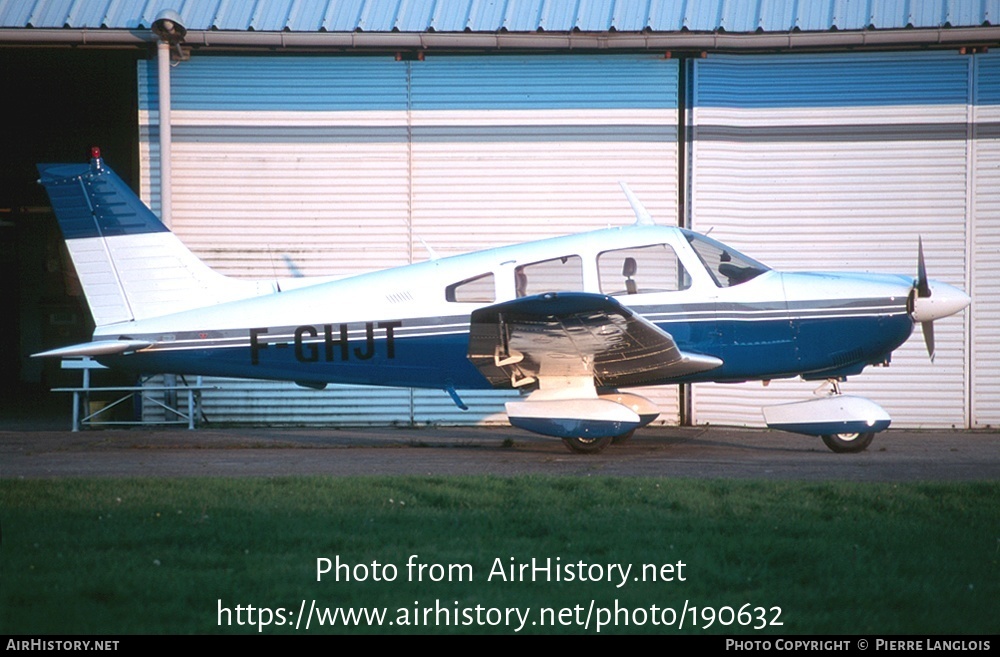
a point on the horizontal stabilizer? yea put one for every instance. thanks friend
(91, 349)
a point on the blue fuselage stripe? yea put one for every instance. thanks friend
(392, 353)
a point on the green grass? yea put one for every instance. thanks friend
(157, 556)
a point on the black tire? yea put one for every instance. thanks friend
(623, 438)
(848, 443)
(587, 445)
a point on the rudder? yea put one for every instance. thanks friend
(129, 264)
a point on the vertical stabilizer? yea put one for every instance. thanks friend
(130, 265)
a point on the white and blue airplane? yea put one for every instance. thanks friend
(574, 323)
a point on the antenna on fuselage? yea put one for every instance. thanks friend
(430, 252)
(642, 216)
(292, 267)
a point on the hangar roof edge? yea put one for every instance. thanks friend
(510, 16)
(670, 25)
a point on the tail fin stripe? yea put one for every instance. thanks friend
(130, 265)
(91, 201)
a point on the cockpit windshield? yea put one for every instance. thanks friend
(726, 266)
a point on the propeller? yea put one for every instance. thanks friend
(923, 289)
(931, 300)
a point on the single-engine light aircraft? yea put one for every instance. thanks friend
(574, 323)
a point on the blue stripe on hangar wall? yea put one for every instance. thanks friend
(279, 83)
(302, 83)
(545, 82)
(312, 83)
(842, 80)
(988, 79)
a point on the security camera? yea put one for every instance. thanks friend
(168, 27)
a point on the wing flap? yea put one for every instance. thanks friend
(573, 334)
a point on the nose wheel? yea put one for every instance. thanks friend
(848, 443)
(845, 443)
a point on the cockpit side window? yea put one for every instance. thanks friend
(563, 274)
(727, 266)
(641, 270)
(478, 289)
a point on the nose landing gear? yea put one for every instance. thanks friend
(847, 424)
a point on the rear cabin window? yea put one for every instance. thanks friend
(641, 270)
(479, 289)
(563, 274)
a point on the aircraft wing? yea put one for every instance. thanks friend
(573, 334)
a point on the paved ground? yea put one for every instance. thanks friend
(29, 450)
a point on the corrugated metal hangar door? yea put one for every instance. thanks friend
(841, 162)
(985, 238)
(341, 165)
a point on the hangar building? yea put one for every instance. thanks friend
(332, 137)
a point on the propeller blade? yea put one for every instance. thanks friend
(923, 287)
(928, 329)
(928, 303)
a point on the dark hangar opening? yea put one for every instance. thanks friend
(58, 102)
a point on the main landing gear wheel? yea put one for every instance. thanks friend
(585, 445)
(848, 443)
(623, 438)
